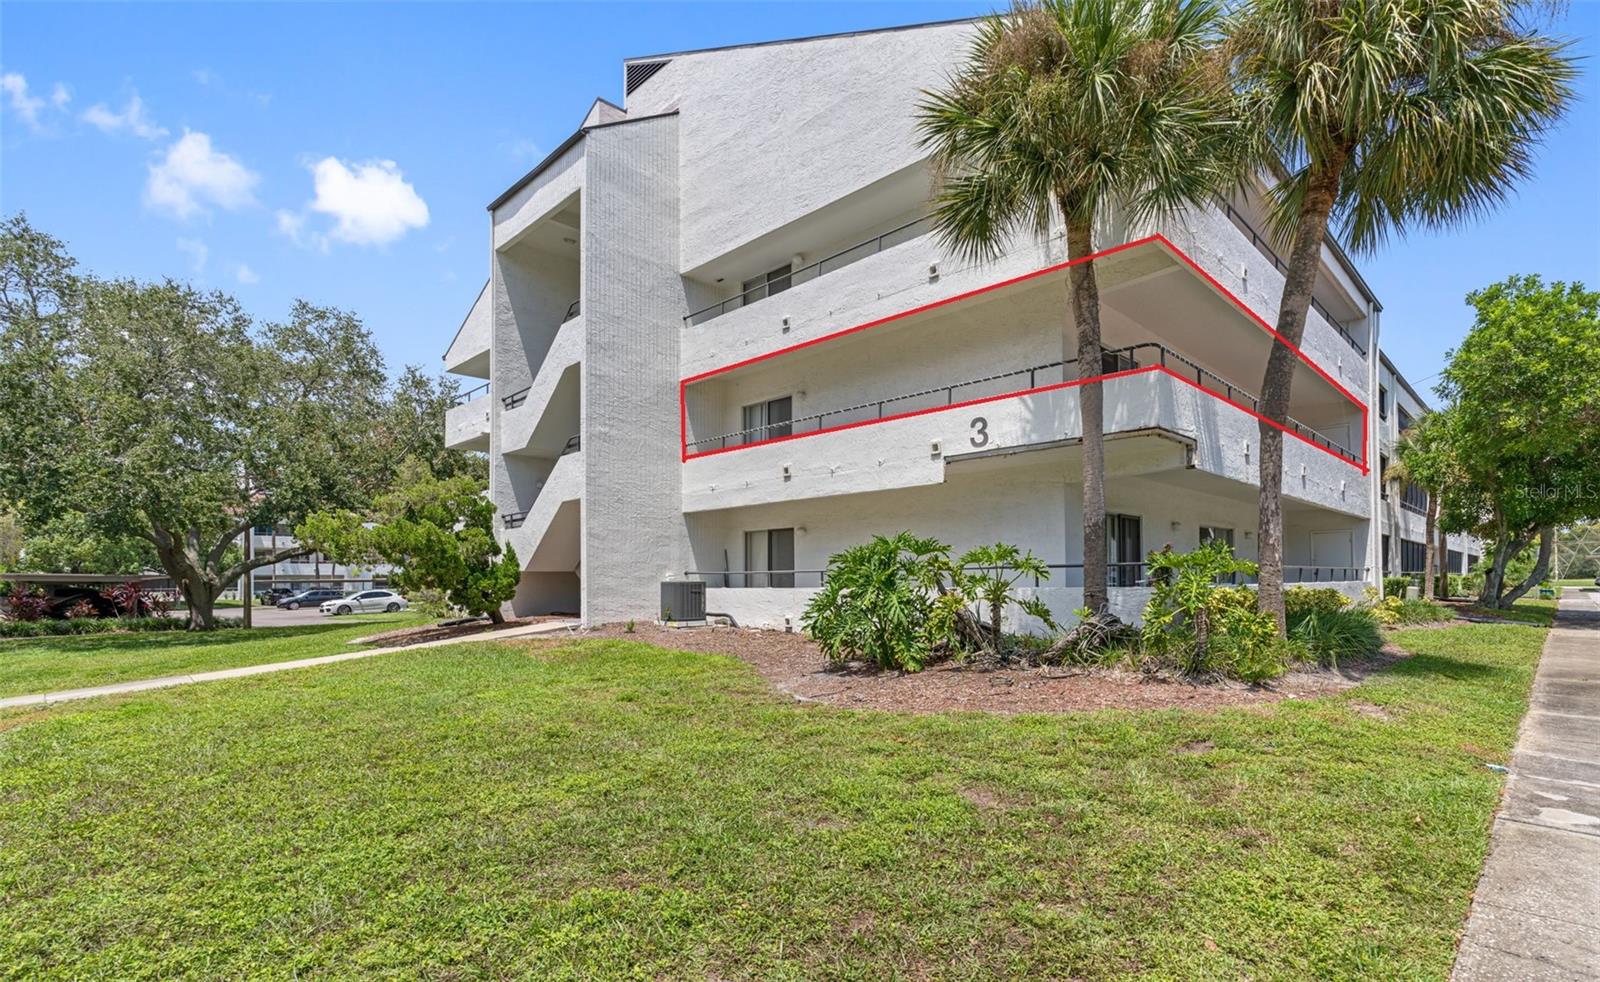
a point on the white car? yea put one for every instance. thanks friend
(366, 602)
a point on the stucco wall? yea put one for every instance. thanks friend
(467, 422)
(633, 303)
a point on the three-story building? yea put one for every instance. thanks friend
(719, 342)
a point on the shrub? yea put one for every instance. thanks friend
(984, 580)
(98, 625)
(1301, 600)
(1331, 636)
(1395, 586)
(26, 605)
(1423, 612)
(1205, 628)
(877, 603)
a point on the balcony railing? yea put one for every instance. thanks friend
(1265, 248)
(573, 445)
(516, 398)
(839, 260)
(1130, 358)
(573, 310)
(1065, 575)
(514, 519)
(462, 398)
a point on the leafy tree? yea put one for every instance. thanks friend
(10, 540)
(1425, 456)
(1069, 108)
(1181, 602)
(161, 412)
(437, 532)
(987, 578)
(1385, 114)
(1523, 423)
(411, 427)
(70, 544)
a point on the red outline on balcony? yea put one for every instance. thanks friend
(1161, 240)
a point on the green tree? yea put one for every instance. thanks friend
(1070, 108)
(411, 427)
(71, 544)
(437, 532)
(1524, 413)
(1425, 455)
(1386, 114)
(878, 602)
(161, 412)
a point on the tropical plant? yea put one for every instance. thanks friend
(23, 604)
(877, 603)
(1067, 108)
(1301, 600)
(987, 578)
(1332, 636)
(1384, 114)
(1186, 606)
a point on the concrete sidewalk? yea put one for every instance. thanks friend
(116, 688)
(1536, 912)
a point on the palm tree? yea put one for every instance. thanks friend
(1068, 108)
(1385, 114)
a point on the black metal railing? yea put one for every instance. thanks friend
(773, 579)
(573, 445)
(573, 310)
(1265, 248)
(462, 398)
(516, 398)
(1146, 355)
(514, 519)
(895, 236)
(1065, 575)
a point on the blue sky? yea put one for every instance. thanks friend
(345, 152)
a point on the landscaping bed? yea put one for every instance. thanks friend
(796, 667)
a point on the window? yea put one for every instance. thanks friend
(769, 558)
(1453, 561)
(766, 420)
(768, 283)
(1413, 556)
(1414, 498)
(1385, 555)
(1406, 420)
(1123, 551)
(1383, 476)
(1383, 402)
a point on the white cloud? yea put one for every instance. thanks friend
(524, 149)
(371, 203)
(60, 95)
(26, 105)
(244, 274)
(196, 251)
(132, 118)
(191, 175)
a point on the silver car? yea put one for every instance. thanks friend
(366, 602)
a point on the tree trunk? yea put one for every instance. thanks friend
(1541, 568)
(1431, 561)
(495, 616)
(1304, 258)
(1442, 587)
(994, 619)
(1091, 410)
(1505, 548)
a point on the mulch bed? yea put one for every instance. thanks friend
(434, 632)
(796, 667)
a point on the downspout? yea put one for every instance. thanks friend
(1374, 451)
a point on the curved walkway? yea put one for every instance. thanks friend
(67, 695)
(1536, 912)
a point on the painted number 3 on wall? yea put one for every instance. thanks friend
(980, 432)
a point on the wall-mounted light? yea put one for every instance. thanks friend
(933, 271)
(569, 241)
(934, 448)
(786, 473)
(786, 323)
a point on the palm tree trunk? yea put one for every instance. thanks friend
(1304, 258)
(1091, 409)
(1442, 585)
(1432, 553)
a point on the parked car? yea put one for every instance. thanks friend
(273, 595)
(366, 602)
(309, 598)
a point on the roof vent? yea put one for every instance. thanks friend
(639, 73)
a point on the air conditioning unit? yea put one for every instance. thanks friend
(683, 600)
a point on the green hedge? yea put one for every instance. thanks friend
(98, 625)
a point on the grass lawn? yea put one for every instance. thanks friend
(1530, 609)
(29, 665)
(609, 809)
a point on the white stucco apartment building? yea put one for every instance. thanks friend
(718, 343)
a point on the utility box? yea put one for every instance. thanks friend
(683, 600)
